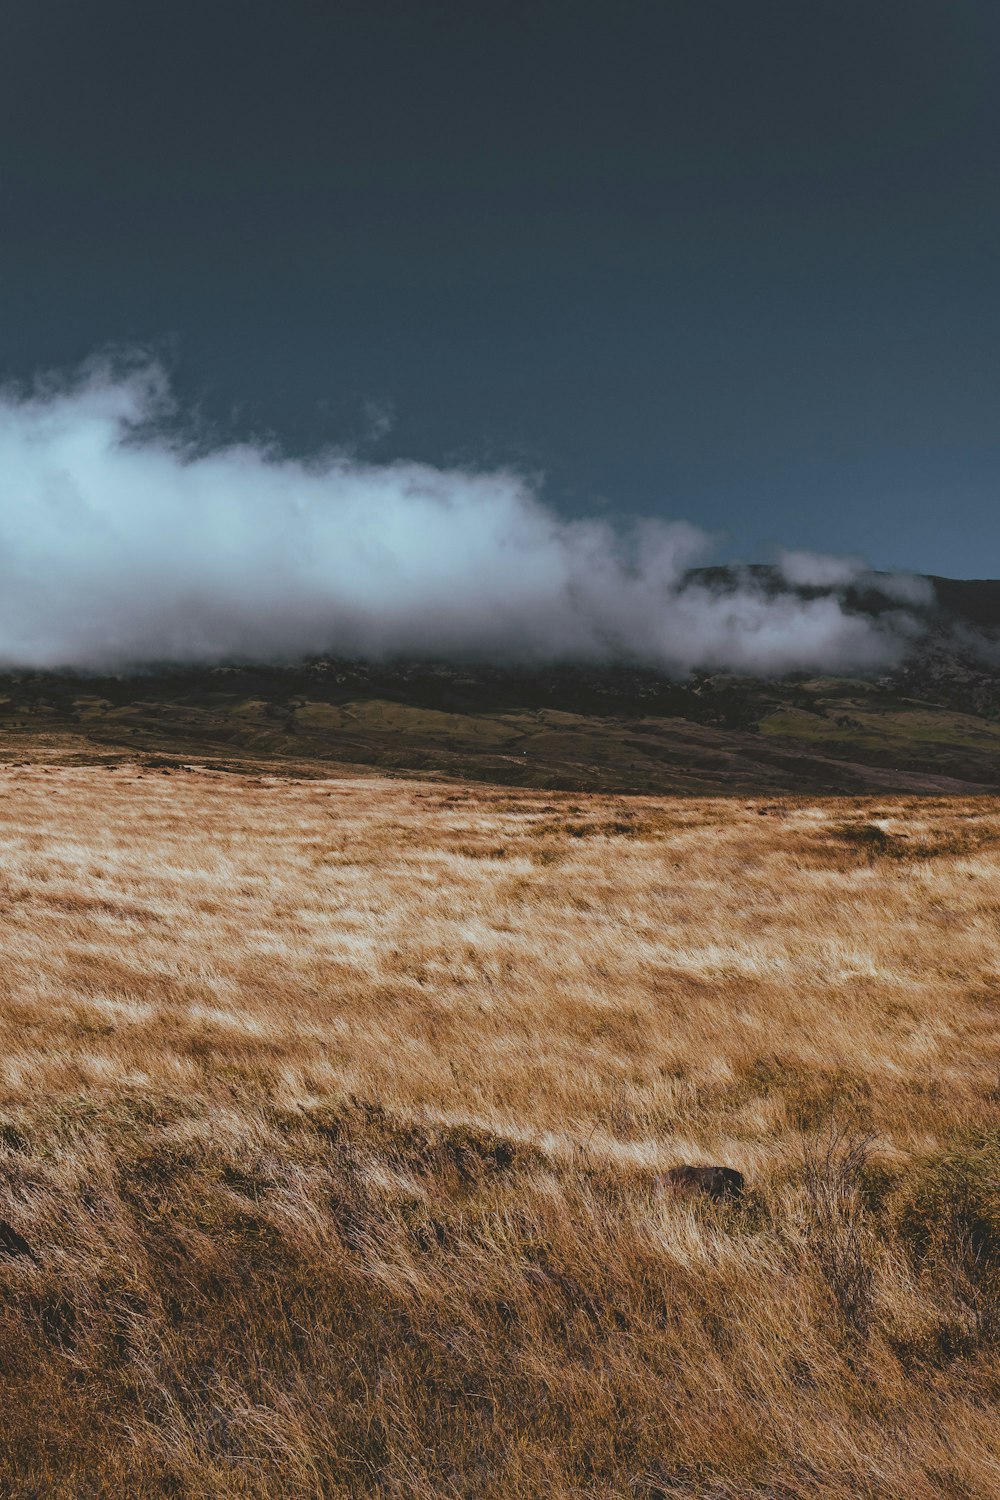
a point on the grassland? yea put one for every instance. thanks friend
(331, 1113)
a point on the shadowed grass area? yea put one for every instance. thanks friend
(332, 1114)
(590, 729)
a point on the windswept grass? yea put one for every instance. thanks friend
(331, 1113)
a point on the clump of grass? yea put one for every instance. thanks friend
(811, 1095)
(870, 839)
(948, 1216)
(873, 842)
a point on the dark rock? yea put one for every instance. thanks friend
(717, 1182)
(12, 1243)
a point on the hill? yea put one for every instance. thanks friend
(931, 725)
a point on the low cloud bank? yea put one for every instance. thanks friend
(120, 547)
(821, 570)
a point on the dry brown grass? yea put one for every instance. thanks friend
(332, 1110)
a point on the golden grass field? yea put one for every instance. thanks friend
(332, 1112)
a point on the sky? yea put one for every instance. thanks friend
(706, 260)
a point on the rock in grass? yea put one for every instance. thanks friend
(717, 1182)
(12, 1243)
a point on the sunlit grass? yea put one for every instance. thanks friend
(332, 1113)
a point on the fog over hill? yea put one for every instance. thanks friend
(123, 545)
(930, 723)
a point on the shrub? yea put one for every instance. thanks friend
(835, 1166)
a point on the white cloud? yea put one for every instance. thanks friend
(819, 569)
(119, 548)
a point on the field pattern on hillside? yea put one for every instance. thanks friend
(332, 1113)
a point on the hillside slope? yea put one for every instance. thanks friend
(932, 725)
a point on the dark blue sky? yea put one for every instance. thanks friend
(729, 261)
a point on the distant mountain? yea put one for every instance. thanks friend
(931, 725)
(972, 602)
